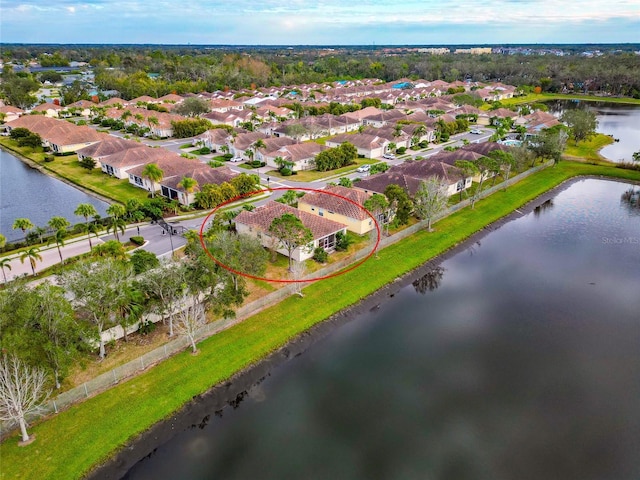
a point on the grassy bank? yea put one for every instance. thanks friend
(70, 443)
(588, 150)
(68, 168)
(545, 97)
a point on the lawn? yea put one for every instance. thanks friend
(544, 97)
(67, 167)
(67, 445)
(588, 149)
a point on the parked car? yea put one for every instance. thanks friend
(236, 159)
(363, 168)
(389, 156)
(476, 131)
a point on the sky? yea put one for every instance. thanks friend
(320, 22)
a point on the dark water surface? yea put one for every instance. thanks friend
(619, 120)
(518, 358)
(28, 193)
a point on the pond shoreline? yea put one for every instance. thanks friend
(44, 170)
(196, 413)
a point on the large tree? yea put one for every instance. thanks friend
(581, 121)
(400, 203)
(95, 284)
(430, 199)
(378, 205)
(59, 225)
(291, 233)
(192, 107)
(165, 286)
(22, 391)
(242, 253)
(23, 224)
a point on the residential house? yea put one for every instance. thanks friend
(384, 118)
(10, 113)
(119, 163)
(240, 145)
(48, 109)
(109, 145)
(83, 106)
(215, 139)
(257, 222)
(391, 134)
(368, 146)
(409, 176)
(302, 155)
(341, 204)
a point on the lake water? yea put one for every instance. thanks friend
(518, 358)
(619, 120)
(27, 193)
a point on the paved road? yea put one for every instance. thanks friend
(162, 244)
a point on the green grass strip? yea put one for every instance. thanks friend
(69, 444)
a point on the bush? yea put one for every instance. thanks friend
(49, 158)
(401, 150)
(343, 240)
(204, 151)
(228, 156)
(257, 164)
(286, 172)
(320, 255)
(146, 327)
(142, 261)
(423, 144)
(138, 240)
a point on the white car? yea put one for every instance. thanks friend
(363, 168)
(389, 156)
(236, 159)
(476, 131)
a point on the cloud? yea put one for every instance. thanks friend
(321, 21)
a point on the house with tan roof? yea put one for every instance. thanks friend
(390, 134)
(410, 175)
(171, 98)
(107, 146)
(257, 222)
(118, 164)
(143, 99)
(203, 175)
(340, 204)
(302, 155)
(48, 109)
(114, 102)
(368, 146)
(214, 139)
(384, 118)
(225, 106)
(240, 144)
(11, 113)
(83, 106)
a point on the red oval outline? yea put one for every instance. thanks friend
(255, 277)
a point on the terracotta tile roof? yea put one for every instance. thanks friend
(245, 140)
(297, 152)
(171, 97)
(43, 107)
(63, 135)
(451, 158)
(379, 182)
(359, 140)
(113, 101)
(423, 169)
(35, 123)
(138, 156)
(10, 109)
(262, 217)
(143, 98)
(108, 146)
(339, 205)
(485, 148)
(201, 173)
(82, 104)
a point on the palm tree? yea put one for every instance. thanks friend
(40, 231)
(3, 241)
(23, 224)
(59, 224)
(188, 184)
(153, 121)
(59, 239)
(256, 145)
(117, 212)
(86, 210)
(33, 254)
(155, 174)
(5, 263)
(126, 114)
